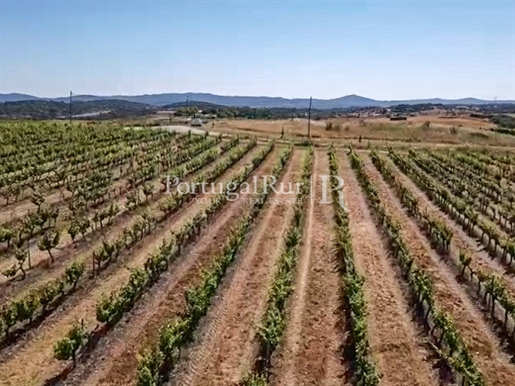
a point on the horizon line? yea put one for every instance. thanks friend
(253, 96)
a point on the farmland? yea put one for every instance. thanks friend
(113, 274)
(419, 130)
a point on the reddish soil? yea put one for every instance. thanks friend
(394, 338)
(66, 248)
(20, 209)
(37, 346)
(449, 295)
(461, 240)
(227, 346)
(43, 271)
(312, 350)
(485, 217)
(226, 343)
(114, 362)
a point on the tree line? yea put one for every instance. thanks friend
(101, 109)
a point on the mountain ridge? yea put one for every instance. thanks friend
(162, 99)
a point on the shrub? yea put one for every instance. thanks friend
(336, 126)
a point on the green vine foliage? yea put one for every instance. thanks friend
(274, 321)
(157, 362)
(451, 347)
(493, 286)
(353, 288)
(113, 306)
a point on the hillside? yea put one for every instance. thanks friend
(251, 101)
(99, 109)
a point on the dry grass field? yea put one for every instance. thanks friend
(446, 131)
(112, 278)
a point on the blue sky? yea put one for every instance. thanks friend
(325, 49)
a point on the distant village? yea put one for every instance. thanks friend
(402, 112)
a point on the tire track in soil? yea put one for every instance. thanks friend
(36, 347)
(227, 344)
(461, 240)
(64, 254)
(114, 362)
(311, 353)
(395, 341)
(484, 347)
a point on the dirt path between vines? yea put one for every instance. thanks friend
(395, 340)
(484, 347)
(485, 218)
(64, 254)
(115, 360)
(41, 264)
(227, 346)
(37, 346)
(17, 210)
(311, 353)
(21, 209)
(461, 240)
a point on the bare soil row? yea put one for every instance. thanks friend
(449, 294)
(36, 347)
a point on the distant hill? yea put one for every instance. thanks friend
(198, 104)
(14, 97)
(252, 101)
(98, 109)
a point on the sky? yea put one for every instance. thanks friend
(326, 49)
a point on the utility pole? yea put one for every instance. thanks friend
(188, 101)
(70, 109)
(309, 118)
